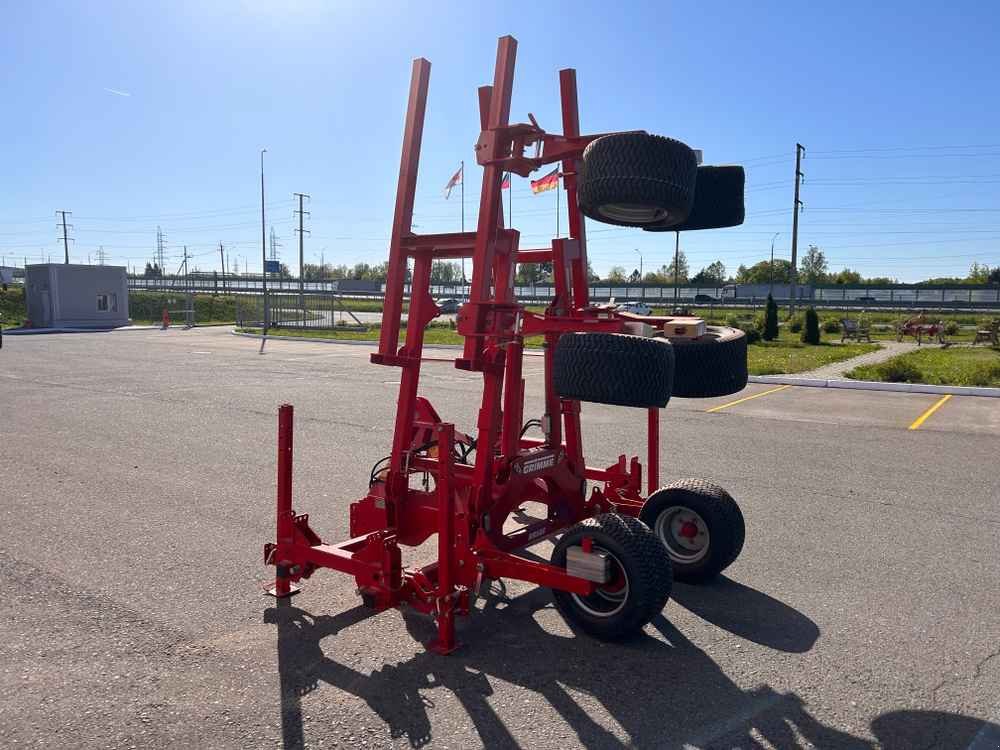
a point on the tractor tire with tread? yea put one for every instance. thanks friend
(711, 365)
(612, 368)
(718, 201)
(637, 179)
(647, 573)
(720, 514)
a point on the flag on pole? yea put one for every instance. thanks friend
(456, 179)
(548, 182)
(505, 185)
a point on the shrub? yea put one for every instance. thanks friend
(951, 328)
(899, 370)
(810, 334)
(831, 326)
(753, 335)
(770, 327)
(795, 324)
(758, 323)
(733, 322)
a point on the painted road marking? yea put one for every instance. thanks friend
(746, 398)
(923, 417)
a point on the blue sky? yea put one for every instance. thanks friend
(898, 109)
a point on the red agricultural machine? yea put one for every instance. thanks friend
(618, 549)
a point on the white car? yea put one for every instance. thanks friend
(636, 308)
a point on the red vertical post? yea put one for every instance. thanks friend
(489, 200)
(285, 515)
(653, 445)
(570, 168)
(445, 641)
(513, 399)
(402, 220)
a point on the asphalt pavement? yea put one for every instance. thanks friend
(137, 473)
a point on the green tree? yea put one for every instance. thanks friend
(445, 272)
(813, 266)
(978, 273)
(770, 332)
(682, 269)
(847, 276)
(760, 273)
(810, 334)
(713, 273)
(533, 273)
(616, 275)
(994, 276)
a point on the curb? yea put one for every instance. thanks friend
(870, 385)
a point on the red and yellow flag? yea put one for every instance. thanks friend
(505, 185)
(548, 182)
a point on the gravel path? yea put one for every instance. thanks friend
(836, 370)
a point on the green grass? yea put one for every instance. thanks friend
(965, 365)
(787, 355)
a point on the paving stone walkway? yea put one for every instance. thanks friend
(836, 370)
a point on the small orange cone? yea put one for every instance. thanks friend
(166, 319)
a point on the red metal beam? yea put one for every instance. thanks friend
(402, 220)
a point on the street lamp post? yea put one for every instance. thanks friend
(263, 243)
(771, 290)
(640, 263)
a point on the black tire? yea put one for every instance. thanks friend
(636, 179)
(643, 577)
(611, 368)
(711, 365)
(718, 201)
(666, 512)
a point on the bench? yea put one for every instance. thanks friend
(851, 329)
(990, 335)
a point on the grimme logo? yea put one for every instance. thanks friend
(531, 465)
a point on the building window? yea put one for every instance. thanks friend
(102, 303)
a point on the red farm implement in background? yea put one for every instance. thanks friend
(618, 549)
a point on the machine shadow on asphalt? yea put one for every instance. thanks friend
(679, 696)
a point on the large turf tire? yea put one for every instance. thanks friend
(617, 610)
(612, 368)
(719, 524)
(711, 365)
(718, 201)
(636, 179)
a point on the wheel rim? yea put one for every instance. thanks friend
(633, 213)
(609, 599)
(684, 533)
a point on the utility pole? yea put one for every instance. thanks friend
(222, 260)
(65, 237)
(796, 207)
(677, 264)
(301, 232)
(640, 263)
(771, 289)
(101, 256)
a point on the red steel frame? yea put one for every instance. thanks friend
(470, 503)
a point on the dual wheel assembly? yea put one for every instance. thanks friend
(688, 531)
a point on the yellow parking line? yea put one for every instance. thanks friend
(746, 398)
(923, 417)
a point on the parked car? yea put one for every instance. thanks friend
(636, 308)
(704, 298)
(448, 306)
(867, 299)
